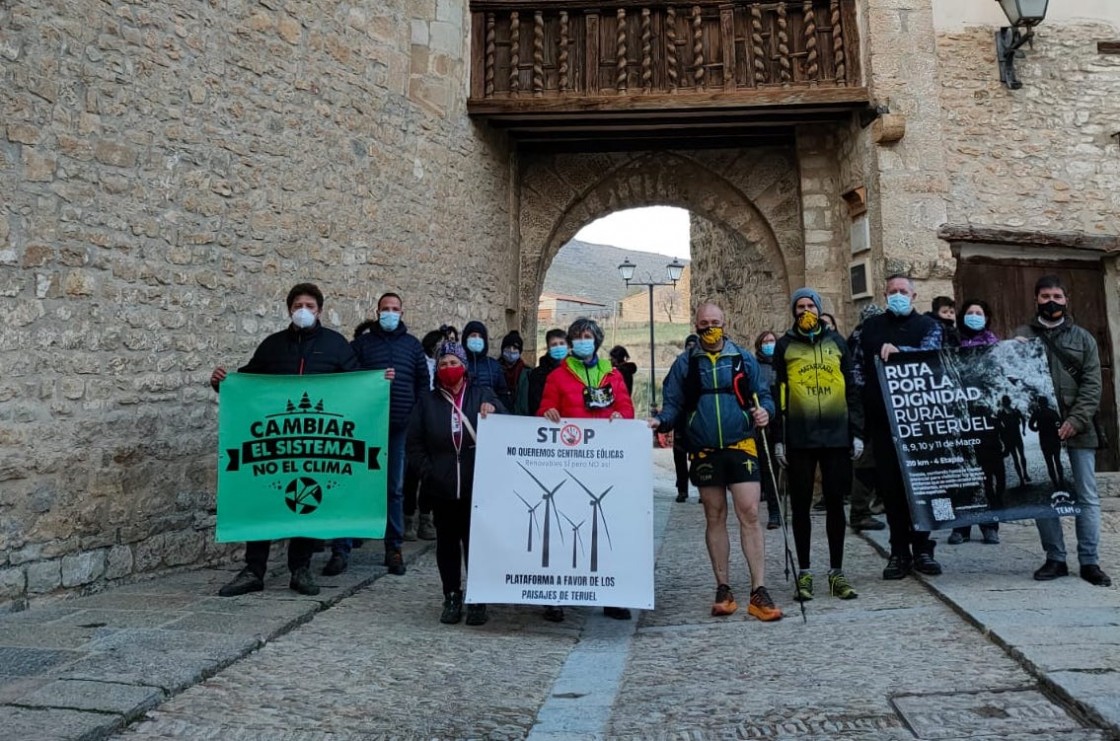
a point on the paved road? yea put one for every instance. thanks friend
(897, 663)
(987, 653)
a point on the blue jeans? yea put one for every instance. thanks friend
(394, 527)
(1088, 523)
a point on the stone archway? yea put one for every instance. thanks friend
(751, 193)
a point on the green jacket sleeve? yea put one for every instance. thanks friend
(1088, 397)
(521, 395)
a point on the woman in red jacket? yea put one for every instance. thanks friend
(585, 386)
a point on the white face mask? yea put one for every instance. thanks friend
(303, 318)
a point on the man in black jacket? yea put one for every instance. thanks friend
(385, 344)
(900, 329)
(305, 347)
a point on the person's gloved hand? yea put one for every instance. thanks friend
(780, 454)
(857, 448)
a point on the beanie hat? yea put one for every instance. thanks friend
(513, 339)
(808, 293)
(451, 348)
(869, 311)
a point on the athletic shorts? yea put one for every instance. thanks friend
(722, 468)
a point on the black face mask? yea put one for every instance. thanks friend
(1051, 311)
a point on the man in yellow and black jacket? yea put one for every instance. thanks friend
(821, 416)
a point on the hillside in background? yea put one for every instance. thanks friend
(591, 271)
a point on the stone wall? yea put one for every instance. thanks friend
(735, 274)
(167, 171)
(908, 201)
(1040, 158)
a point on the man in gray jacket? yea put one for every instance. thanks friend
(1075, 366)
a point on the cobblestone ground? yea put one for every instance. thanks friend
(897, 663)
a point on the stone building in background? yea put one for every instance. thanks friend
(168, 170)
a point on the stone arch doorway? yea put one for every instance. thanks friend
(749, 196)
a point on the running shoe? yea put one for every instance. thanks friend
(762, 606)
(804, 591)
(725, 601)
(838, 586)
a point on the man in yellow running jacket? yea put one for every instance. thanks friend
(821, 416)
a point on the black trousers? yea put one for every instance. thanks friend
(680, 463)
(299, 554)
(905, 540)
(414, 494)
(765, 457)
(836, 481)
(453, 532)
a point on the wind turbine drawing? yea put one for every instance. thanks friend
(549, 508)
(596, 513)
(532, 520)
(577, 542)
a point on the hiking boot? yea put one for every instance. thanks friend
(839, 587)
(303, 582)
(924, 562)
(868, 523)
(476, 614)
(336, 565)
(554, 614)
(990, 535)
(682, 496)
(617, 613)
(452, 608)
(956, 538)
(409, 528)
(1092, 573)
(395, 561)
(427, 529)
(762, 606)
(898, 567)
(244, 583)
(1051, 570)
(773, 519)
(804, 589)
(725, 601)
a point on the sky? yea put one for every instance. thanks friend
(661, 229)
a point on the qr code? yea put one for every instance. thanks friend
(943, 509)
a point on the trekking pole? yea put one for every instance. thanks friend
(790, 563)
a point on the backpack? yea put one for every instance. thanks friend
(740, 384)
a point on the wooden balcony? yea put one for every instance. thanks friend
(579, 71)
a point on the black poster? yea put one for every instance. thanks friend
(976, 430)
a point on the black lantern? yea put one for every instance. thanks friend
(1023, 15)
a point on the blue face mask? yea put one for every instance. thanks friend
(768, 349)
(475, 344)
(389, 320)
(558, 352)
(975, 322)
(583, 348)
(898, 304)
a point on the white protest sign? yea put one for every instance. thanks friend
(562, 513)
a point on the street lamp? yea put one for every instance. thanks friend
(674, 270)
(1023, 14)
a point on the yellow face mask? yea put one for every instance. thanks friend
(808, 322)
(711, 335)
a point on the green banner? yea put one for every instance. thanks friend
(302, 456)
